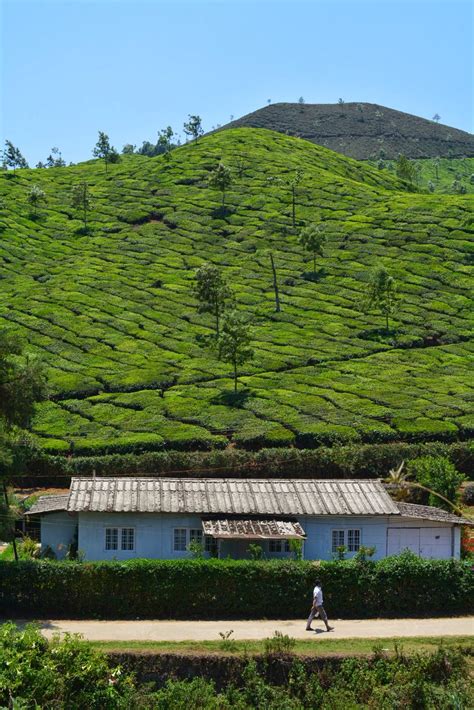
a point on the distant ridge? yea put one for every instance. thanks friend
(361, 130)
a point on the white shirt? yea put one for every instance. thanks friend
(318, 596)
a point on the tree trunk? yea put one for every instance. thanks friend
(235, 377)
(386, 322)
(15, 551)
(275, 285)
(314, 262)
(294, 206)
(217, 320)
(223, 197)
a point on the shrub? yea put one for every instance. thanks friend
(400, 585)
(438, 474)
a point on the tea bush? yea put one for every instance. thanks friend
(112, 313)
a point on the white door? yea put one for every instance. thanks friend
(400, 539)
(436, 543)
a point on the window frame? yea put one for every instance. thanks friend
(283, 546)
(118, 534)
(356, 535)
(186, 537)
(338, 532)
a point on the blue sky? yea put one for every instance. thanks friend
(129, 67)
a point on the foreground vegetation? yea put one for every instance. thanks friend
(109, 302)
(72, 674)
(216, 589)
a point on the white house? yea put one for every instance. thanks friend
(126, 518)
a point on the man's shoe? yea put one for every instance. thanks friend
(308, 628)
(330, 628)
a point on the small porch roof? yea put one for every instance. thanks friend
(227, 529)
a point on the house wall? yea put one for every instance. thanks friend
(57, 531)
(154, 536)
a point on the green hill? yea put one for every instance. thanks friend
(112, 313)
(362, 130)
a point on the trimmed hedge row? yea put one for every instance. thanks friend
(353, 461)
(402, 585)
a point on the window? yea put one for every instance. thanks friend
(195, 535)
(349, 538)
(125, 535)
(111, 538)
(279, 546)
(337, 539)
(210, 544)
(353, 540)
(128, 538)
(180, 539)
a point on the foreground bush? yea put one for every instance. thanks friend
(70, 674)
(184, 589)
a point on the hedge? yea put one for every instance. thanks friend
(352, 461)
(403, 585)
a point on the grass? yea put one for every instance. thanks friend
(314, 646)
(445, 176)
(111, 312)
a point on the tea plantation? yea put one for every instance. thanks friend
(111, 311)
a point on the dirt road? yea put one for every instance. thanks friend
(256, 629)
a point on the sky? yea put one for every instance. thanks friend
(70, 68)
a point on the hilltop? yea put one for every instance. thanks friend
(361, 130)
(112, 313)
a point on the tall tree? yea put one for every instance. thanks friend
(437, 118)
(290, 183)
(382, 294)
(81, 200)
(313, 239)
(405, 168)
(193, 127)
(221, 179)
(35, 196)
(275, 284)
(12, 157)
(104, 150)
(233, 343)
(22, 384)
(164, 143)
(212, 292)
(128, 149)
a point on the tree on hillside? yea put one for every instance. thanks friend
(128, 149)
(405, 169)
(221, 179)
(55, 159)
(212, 292)
(22, 384)
(341, 103)
(313, 239)
(382, 294)
(164, 141)
(292, 184)
(275, 285)
(233, 343)
(12, 157)
(81, 200)
(437, 118)
(193, 127)
(35, 196)
(104, 150)
(301, 101)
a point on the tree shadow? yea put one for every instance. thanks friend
(229, 398)
(315, 276)
(221, 212)
(83, 231)
(378, 335)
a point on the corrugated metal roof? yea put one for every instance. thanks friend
(428, 512)
(231, 496)
(262, 529)
(49, 504)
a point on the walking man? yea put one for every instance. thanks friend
(318, 608)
